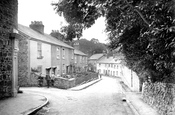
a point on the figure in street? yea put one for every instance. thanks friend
(48, 81)
(52, 79)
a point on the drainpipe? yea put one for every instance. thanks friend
(13, 36)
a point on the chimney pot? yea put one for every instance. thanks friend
(37, 26)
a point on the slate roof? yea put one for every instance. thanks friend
(109, 60)
(78, 52)
(42, 37)
(96, 56)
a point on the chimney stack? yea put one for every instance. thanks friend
(37, 26)
(57, 34)
(76, 46)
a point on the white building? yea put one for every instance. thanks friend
(130, 78)
(109, 66)
(113, 67)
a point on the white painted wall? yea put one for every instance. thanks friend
(113, 70)
(130, 78)
(46, 53)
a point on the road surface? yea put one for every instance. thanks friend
(102, 98)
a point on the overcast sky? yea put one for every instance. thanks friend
(41, 10)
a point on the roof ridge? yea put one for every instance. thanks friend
(42, 37)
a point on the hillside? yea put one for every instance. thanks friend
(91, 47)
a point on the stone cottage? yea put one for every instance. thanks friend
(8, 48)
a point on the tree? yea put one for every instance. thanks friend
(90, 47)
(142, 29)
(57, 34)
(95, 41)
(72, 31)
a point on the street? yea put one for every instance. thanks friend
(102, 98)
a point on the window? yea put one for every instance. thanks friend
(58, 69)
(63, 68)
(39, 49)
(72, 54)
(117, 66)
(58, 53)
(63, 54)
(80, 59)
(75, 59)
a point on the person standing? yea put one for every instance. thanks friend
(52, 79)
(48, 81)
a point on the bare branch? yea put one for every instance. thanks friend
(140, 14)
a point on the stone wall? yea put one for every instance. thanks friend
(77, 79)
(64, 83)
(160, 96)
(86, 76)
(8, 21)
(23, 61)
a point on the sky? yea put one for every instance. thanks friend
(42, 10)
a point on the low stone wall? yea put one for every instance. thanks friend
(160, 96)
(32, 81)
(82, 77)
(64, 83)
(78, 78)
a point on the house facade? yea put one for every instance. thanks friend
(42, 53)
(8, 48)
(113, 67)
(62, 59)
(80, 59)
(94, 60)
(109, 66)
(130, 78)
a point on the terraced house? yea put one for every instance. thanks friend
(80, 58)
(41, 52)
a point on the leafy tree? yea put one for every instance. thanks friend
(57, 34)
(95, 40)
(144, 30)
(90, 48)
(72, 31)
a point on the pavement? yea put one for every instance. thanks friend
(28, 103)
(85, 85)
(23, 104)
(134, 100)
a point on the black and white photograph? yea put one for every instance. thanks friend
(87, 57)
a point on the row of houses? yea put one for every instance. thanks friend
(113, 66)
(45, 54)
